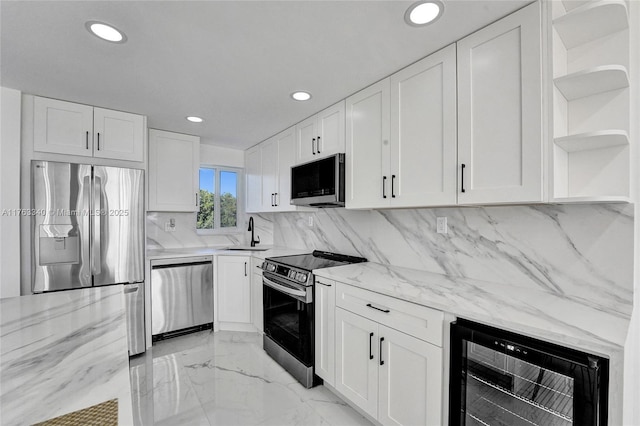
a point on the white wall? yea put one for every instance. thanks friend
(219, 156)
(9, 192)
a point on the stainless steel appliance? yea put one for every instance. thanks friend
(319, 183)
(87, 228)
(502, 378)
(181, 296)
(288, 309)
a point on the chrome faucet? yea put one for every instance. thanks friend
(251, 226)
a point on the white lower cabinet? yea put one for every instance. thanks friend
(410, 380)
(391, 375)
(257, 316)
(324, 303)
(234, 289)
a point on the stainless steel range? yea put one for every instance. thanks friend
(288, 284)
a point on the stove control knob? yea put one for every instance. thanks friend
(292, 275)
(270, 267)
(301, 277)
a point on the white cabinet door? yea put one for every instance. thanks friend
(410, 380)
(325, 344)
(423, 132)
(286, 158)
(306, 138)
(174, 164)
(62, 127)
(330, 130)
(234, 289)
(270, 173)
(367, 147)
(118, 135)
(499, 111)
(357, 360)
(257, 316)
(253, 173)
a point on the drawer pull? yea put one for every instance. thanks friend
(370, 346)
(381, 361)
(386, 311)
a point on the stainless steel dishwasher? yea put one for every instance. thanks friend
(181, 296)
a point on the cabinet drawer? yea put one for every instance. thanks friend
(415, 320)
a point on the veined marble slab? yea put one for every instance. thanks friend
(211, 251)
(582, 252)
(62, 352)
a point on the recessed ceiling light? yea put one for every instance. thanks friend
(194, 119)
(301, 96)
(423, 12)
(106, 32)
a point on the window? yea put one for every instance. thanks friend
(218, 199)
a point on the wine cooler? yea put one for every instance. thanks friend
(500, 378)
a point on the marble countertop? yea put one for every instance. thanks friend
(535, 313)
(61, 352)
(211, 251)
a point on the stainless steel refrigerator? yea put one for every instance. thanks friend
(88, 230)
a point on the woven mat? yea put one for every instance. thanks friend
(103, 414)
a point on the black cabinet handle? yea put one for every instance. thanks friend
(393, 178)
(462, 178)
(370, 346)
(313, 146)
(380, 356)
(386, 311)
(318, 145)
(275, 198)
(98, 141)
(87, 144)
(384, 183)
(245, 269)
(273, 201)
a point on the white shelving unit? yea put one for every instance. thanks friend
(591, 152)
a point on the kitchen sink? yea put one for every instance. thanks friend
(241, 248)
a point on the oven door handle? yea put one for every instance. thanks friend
(284, 289)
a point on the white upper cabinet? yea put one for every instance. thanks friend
(499, 111)
(321, 134)
(67, 128)
(174, 164)
(423, 132)
(367, 147)
(118, 135)
(278, 155)
(253, 171)
(401, 137)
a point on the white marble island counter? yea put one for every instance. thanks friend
(62, 352)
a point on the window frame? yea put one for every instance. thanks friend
(217, 230)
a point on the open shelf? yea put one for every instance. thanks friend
(572, 4)
(592, 140)
(591, 21)
(592, 81)
(592, 200)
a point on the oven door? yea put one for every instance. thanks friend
(288, 316)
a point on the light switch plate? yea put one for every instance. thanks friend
(441, 225)
(310, 220)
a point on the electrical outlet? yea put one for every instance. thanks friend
(170, 226)
(441, 225)
(311, 221)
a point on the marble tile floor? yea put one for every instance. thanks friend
(225, 378)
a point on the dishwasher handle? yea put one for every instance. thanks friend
(181, 265)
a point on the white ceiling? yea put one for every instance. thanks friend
(234, 63)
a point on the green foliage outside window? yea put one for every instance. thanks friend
(224, 181)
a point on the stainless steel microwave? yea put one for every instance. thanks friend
(319, 183)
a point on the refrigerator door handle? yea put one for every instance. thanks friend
(86, 231)
(96, 214)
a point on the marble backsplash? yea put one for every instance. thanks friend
(582, 252)
(186, 236)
